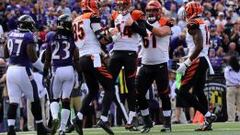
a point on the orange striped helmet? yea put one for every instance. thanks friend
(153, 10)
(90, 5)
(123, 5)
(193, 9)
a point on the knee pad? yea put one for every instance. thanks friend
(66, 103)
(12, 111)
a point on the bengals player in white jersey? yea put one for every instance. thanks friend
(91, 39)
(124, 52)
(194, 69)
(154, 64)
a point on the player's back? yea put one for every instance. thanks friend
(17, 47)
(206, 38)
(84, 36)
(62, 48)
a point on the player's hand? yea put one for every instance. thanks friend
(113, 31)
(183, 66)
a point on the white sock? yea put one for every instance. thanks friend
(104, 118)
(145, 112)
(131, 115)
(11, 122)
(208, 114)
(167, 113)
(65, 113)
(80, 116)
(54, 106)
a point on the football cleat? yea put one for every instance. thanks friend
(133, 126)
(207, 125)
(77, 123)
(70, 129)
(42, 130)
(55, 126)
(167, 125)
(148, 124)
(105, 126)
(61, 132)
(11, 131)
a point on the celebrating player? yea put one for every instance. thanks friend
(62, 53)
(154, 64)
(194, 69)
(125, 50)
(22, 56)
(91, 39)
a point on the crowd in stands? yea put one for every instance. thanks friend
(222, 16)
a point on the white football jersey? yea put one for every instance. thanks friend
(128, 41)
(206, 40)
(84, 36)
(156, 52)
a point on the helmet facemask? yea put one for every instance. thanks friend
(153, 14)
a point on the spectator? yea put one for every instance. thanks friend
(63, 9)
(232, 76)
(176, 42)
(220, 19)
(233, 49)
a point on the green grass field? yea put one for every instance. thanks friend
(182, 129)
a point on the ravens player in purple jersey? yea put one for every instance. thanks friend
(20, 49)
(62, 55)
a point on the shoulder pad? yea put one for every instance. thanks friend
(194, 23)
(164, 21)
(137, 15)
(114, 15)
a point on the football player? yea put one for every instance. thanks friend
(154, 64)
(125, 49)
(21, 51)
(194, 68)
(63, 56)
(91, 39)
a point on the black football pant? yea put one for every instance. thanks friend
(195, 77)
(145, 78)
(128, 60)
(94, 76)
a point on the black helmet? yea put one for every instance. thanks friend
(64, 22)
(26, 22)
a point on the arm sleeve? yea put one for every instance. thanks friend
(139, 27)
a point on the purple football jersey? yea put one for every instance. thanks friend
(62, 48)
(17, 47)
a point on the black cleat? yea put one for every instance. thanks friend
(61, 132)
(133, 126)
(11, 130)
(148, 124)
(55, 126)
(166, 128)
(77, 123)
(42, 130)
(207, 126)
(105, 126)
(70, 129)
(167, 125)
